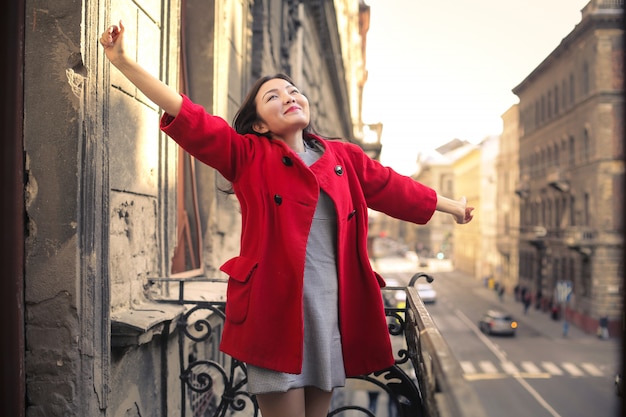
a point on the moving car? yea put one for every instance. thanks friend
(427, 293)
(497, 322)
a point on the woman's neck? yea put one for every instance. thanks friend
(294, 141)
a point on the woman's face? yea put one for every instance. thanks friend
(281, 108)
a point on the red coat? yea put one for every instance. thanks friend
(278, 194)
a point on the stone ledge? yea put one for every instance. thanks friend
(139, 325)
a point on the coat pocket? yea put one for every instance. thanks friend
(239, 270)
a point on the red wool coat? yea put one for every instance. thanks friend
(278, 194)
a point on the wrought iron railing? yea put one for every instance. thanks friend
(424, 382)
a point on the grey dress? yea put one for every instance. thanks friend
(322, 365)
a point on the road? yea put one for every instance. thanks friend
(539, 372)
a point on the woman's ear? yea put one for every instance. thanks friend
(260, 127)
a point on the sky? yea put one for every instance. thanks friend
(443, 70)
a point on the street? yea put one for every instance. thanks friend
(538, 372)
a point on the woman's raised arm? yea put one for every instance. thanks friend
(162, 95)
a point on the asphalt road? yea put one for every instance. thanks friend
(538, 372)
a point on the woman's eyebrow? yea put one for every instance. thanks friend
(273, 90)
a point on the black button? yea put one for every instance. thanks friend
(287, 161)
(278, 199)
(339, 170)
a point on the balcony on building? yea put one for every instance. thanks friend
(580, 238)
(557, 179)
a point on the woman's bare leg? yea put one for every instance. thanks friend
(317, 402)
(282, 404)
(298, 402)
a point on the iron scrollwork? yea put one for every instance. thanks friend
(214, 384)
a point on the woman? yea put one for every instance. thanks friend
(304, 307)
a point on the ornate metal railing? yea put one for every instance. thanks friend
(425, 380)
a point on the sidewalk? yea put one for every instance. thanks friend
(537, 319)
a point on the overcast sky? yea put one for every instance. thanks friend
(440, 70)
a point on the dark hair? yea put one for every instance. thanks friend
(247, 116)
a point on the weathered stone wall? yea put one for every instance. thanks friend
(53, 75)
(102, 182)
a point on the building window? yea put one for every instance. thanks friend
(537, 113)
(586, 210)
(572, 151)
(564, 94)
(586, 146)
(187, 257)
(572, 211)
(572, 90)
(585, 276)
(557, 160)
(549, 105)
(556, 100)
(585, 81)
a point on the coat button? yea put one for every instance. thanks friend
(287, 161)
(339, 170)
(278, 199)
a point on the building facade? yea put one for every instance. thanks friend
(571, 183)
(507, 219)
(112, 207)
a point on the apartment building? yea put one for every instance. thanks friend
(571, 182)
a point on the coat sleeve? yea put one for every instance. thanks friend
(391, 193)
(208, 138)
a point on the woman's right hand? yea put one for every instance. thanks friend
(112, 40)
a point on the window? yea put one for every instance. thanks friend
(572, 92)
(187, 257)
(586, 146)
(549, 105)
(586, 212)
(585, 81)
(557, 160)
(556, 100)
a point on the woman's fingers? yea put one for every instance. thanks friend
(111, 34)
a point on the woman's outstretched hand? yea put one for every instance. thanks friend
(467, 212)
(112, 39)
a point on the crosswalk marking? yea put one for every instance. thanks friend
(552, 368)
(468, 367)
(572, 369)
(488, 367)
(591, 369)
(528, 369)
(509, 368)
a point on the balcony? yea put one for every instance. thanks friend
(580, 239)
(556, 179)
(522, 188)
(425, 381)
(534, 235)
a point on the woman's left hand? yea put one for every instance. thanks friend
(467, 215)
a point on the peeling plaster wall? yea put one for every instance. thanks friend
(53, 87)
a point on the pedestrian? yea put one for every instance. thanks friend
(501, 292)
(304, 308)
(603, 327)
(527, 301)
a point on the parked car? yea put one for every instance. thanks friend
(497, 322)
(427, 293)
(394, 298)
